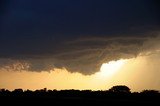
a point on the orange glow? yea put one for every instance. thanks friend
(137, 73)
(109, 69)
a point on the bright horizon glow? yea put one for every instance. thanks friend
(137, 73)
(110, 68)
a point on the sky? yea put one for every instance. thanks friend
(76, 44)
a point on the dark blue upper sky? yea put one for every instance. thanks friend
(28, 22)
(75, 17)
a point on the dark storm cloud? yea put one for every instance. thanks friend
(84, 55)
(76, 35)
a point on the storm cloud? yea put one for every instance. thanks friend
(84, 55)
(76, 35)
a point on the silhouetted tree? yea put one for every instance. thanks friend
(18, 90)
(120, 89)
(150, 92)
(2, 90)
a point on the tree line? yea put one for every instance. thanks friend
(116, 95)
(115, 90)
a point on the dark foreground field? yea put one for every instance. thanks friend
(76, 101)
(77, 98)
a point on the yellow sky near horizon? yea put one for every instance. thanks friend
(137, 73)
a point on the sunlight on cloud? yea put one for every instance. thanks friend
(110, 68)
